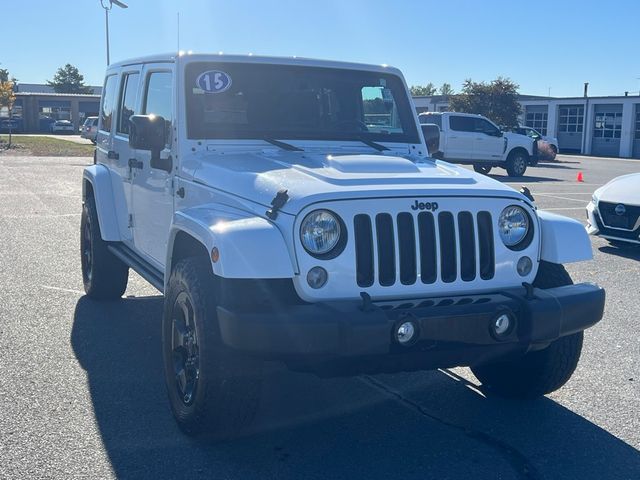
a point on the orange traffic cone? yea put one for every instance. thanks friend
(580, 177)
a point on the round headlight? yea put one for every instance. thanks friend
(513, 225)
(320, 232)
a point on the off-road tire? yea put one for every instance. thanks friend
(103, 274)
(539, 372)
(517, 163)
(483, 169)
(227, 389)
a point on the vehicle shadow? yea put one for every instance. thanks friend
(631, 252)
(413, 425)
(526, 179)
(562, 166)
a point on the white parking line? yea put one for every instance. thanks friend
(68, 290)
(37, 215)
(562, 193)
(563, 184)
(563, 208)
(560, 198)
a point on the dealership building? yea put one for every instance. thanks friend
(607, 126)
(37, 106)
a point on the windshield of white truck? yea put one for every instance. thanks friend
(255, 101)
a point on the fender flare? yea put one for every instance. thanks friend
(249, 246)
(99, 178)
(563, 239)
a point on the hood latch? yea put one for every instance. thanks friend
(277, 203)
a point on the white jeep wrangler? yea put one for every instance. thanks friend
(288, 211)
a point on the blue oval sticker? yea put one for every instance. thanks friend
(213, 81)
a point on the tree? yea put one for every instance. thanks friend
(423, 91)
(7, 98)
(4, 75)
(497, 100)
(68, 80)
(446, 89)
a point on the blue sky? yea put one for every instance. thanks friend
(539, 44)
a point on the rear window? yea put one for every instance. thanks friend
(108, 103)
(462, 124)
(431, 118)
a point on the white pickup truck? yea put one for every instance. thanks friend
(474, 139)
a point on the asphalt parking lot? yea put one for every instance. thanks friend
(82, 393)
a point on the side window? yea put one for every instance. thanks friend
(482, 126)
(462, 124)
(157, 99)
(108, 102)
(127, 101)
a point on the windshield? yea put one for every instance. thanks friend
(255, 101)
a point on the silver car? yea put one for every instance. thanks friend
(89, 129)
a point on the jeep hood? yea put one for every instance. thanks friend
(311, 178)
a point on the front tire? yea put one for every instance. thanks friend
(539, 372)
(103, 274)
(210, 388)
(517, 164)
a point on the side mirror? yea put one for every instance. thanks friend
(148, 132)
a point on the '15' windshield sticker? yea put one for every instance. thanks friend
(213, 81)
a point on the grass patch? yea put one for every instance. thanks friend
(43, 147)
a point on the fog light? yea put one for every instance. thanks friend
(524, 266)
(502, 325)
(405, 333)
(317, 277)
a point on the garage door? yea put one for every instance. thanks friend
(536, 117)
(636, 136)
(607, 129)
(570, 126)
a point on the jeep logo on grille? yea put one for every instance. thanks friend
(432, 206)
(620, 209)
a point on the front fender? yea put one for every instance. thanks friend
(100, 180)
(564, 240)
(249, 246)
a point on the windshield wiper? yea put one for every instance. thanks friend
(283, 145)
(374, 145)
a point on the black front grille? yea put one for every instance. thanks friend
(426, 244)
(611, 219)
(611, 232)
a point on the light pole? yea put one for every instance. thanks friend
(108, 5)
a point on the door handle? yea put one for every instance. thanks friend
(134, 163)
(112, 155)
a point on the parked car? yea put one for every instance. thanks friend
(614, 211)
(280, 226)
(89, 129)
(547, 146)
(7, 125)
(61, 126)
(474, 139)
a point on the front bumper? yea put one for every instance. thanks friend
(452, 331)
(596, 227)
